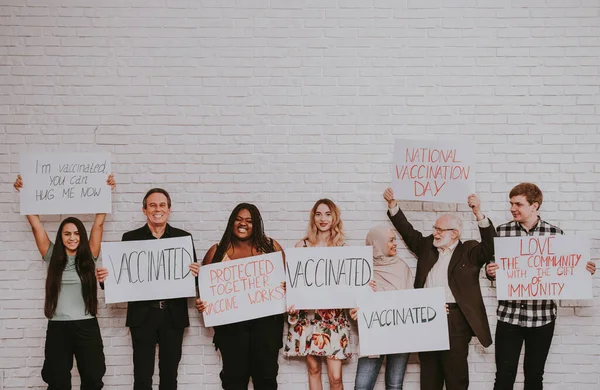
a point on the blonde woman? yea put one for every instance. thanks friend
(323, 332)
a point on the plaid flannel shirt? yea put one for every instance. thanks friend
(529, 313)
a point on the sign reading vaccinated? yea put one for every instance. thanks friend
(403, 321)
(148, 269)
(328, 277)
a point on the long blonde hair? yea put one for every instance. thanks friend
(336, 233)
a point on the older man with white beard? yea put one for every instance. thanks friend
(444, 261)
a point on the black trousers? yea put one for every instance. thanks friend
(509, 341)
(449, 366)
(250, 349)
(67, 338)
(156, 329)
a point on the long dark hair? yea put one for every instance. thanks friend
(84, 264)
(260, 241)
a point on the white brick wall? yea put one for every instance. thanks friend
(281, 102)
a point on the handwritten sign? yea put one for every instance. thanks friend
(403, 321)
(148, 269)
(328, 277)
(65, 183)
(242, 289)
(437, 171)
(543, 267)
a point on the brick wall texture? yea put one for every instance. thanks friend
(279, 103)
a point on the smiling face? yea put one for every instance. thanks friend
(70, 238)
(391, 243)
(242, 226)
(323, 218)
(445, 232)
(522, 211)
(157, 209)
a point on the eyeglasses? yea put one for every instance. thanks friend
(440, 230)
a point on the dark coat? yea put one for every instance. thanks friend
(463, 270)
(178, 310)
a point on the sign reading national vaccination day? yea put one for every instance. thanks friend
(437, 171)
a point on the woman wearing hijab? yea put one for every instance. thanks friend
(390, 273)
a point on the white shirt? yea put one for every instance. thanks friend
(438, 275)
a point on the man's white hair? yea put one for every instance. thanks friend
(457, 222)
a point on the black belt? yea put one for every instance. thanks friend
(160, 304)
(452, 305)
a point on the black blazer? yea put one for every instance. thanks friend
(137, 311)
(463, 270)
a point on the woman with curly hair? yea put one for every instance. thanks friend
(323, 332)
(71, 303)
(248, 348)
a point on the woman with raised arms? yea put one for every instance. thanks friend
(71, 303)
(323, 332)
(248, 348)
(390, 273)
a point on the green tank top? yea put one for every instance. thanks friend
(70, 305)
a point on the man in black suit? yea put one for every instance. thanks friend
(152, 322)
(444, 261)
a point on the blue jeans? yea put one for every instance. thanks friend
(368, 369)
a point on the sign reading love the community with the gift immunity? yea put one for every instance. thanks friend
(543, 267)
(148, 269)
(242, 289)
(437, 171)
(65, 183)
(328, 277)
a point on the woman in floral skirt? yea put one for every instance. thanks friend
(324, 332)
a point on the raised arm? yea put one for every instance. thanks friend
(96, 234)
(413, 239)
(98, 226)
(39, 233)
(484, 251)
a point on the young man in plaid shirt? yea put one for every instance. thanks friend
(530, 321)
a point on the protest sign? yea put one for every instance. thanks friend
(328, 277)
(65, 183)
(148, 269)
(543, 267)
(403, 321)
(437, 171)
(242, 289)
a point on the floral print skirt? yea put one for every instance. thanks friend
(318, 333)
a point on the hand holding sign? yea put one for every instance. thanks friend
(101, 274)
(491, 270)
(388, 195)
(475, 204)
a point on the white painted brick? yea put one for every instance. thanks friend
(280, 103)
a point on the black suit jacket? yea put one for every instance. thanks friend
(463, 270)
(137, 311)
